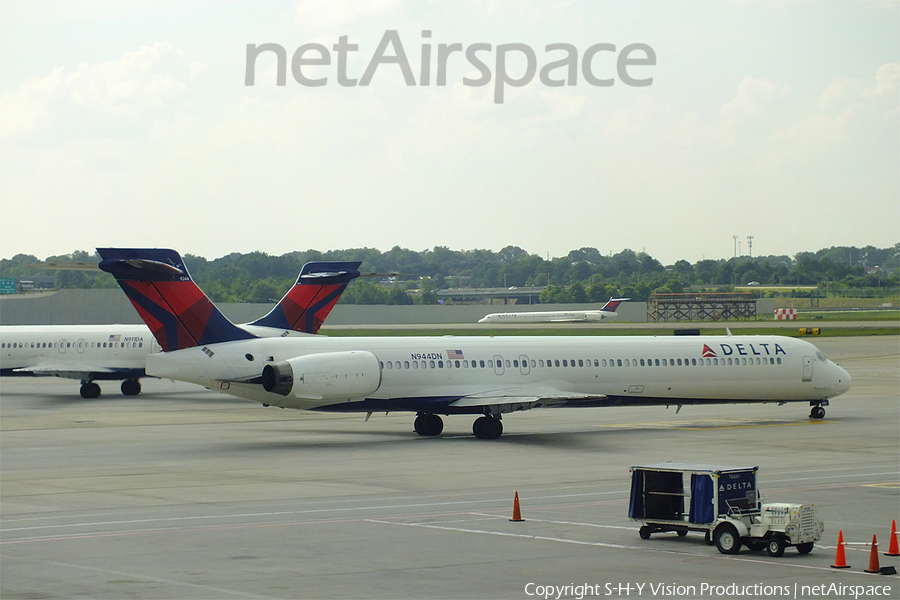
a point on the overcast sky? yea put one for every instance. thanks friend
(130, 124)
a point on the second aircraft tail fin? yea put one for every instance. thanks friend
(613, 304)
(159, 286)
(308, 302)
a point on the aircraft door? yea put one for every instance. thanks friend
(807, 368)
(62, 346)
(524, 367)
(498, 365)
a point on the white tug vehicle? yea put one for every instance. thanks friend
(723, 502)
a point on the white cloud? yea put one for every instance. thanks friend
(842, 109)
(315, 14)
(752, 96)
(134, 85)
(887, 82)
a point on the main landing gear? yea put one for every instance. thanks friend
(428, 424)
(487, 427)
(89, 389)
(130, 387)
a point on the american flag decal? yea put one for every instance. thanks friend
(115, 338)
(455, 355)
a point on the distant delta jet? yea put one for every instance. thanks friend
(482, 376)
(119, 352)
(557, 316)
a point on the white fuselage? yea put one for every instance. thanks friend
(548, 316)
(75, 350)
(442, 374)
(87, 351)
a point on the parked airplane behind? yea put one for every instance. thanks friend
(487, 376)
(118, 352)
(557, 316)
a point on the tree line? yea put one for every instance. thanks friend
(583, 275)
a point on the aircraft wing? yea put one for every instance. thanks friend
(529, 397)
(66, 367)
(567, 320)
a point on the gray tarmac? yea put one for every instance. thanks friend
(184, 493)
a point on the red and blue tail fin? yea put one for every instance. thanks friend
(613, 304)
(307, 304)
(159, 286)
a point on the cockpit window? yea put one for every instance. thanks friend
(821, 356)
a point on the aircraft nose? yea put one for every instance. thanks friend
(843, 380)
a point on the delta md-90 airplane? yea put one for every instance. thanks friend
(434, 376)
(93, 353)
(557, 316)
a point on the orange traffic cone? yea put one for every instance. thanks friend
(874, 567)
(892, 546)
(517, 514)
(840, 561)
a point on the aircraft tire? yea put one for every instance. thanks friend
(428, 424)
(90, 390)
(644, 532)
(487, 428)
(817, 412)
(131, 387)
